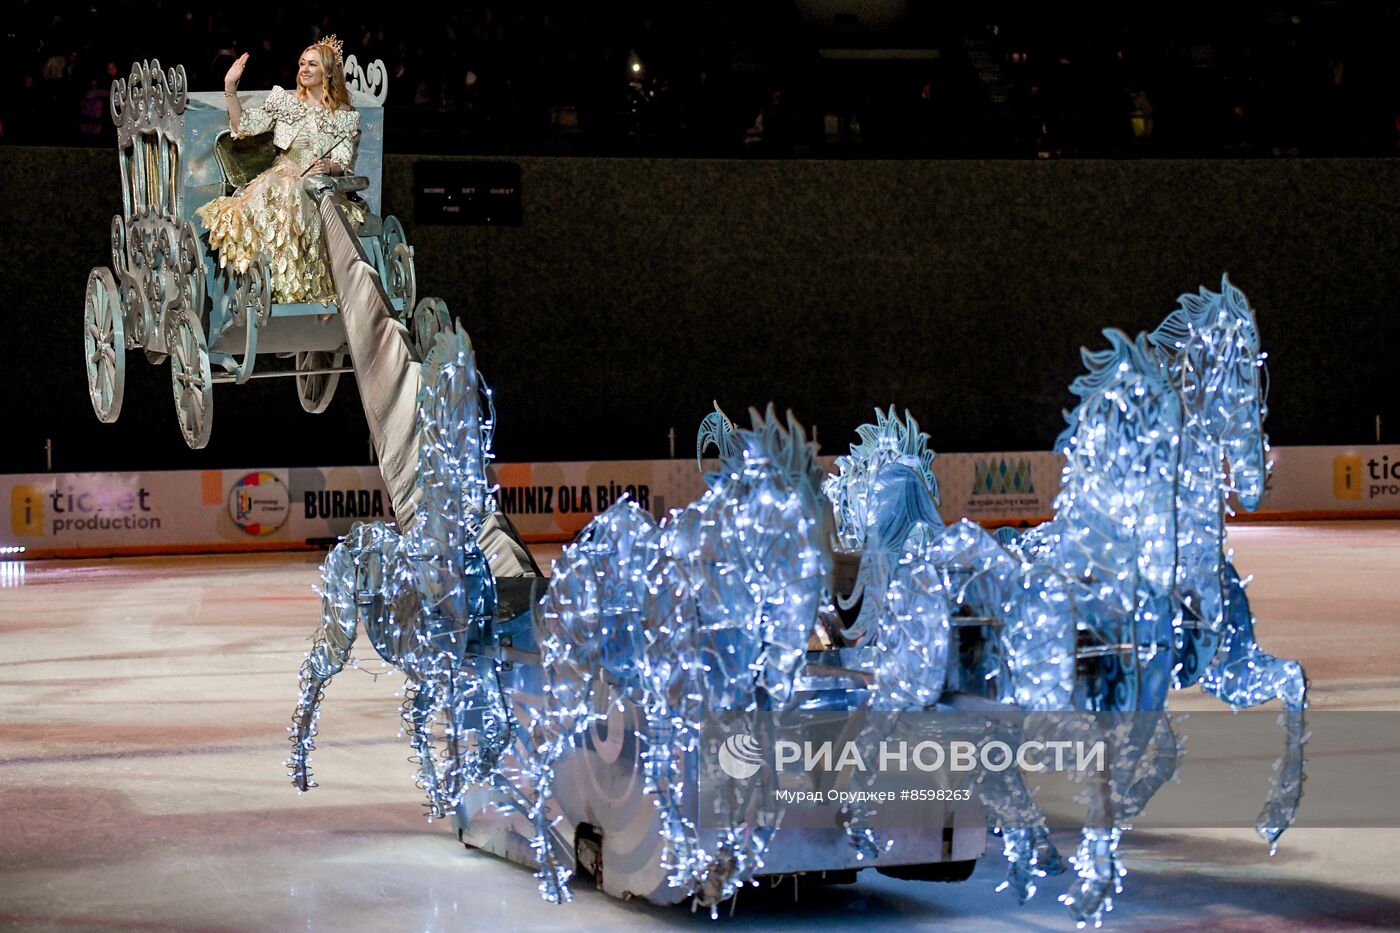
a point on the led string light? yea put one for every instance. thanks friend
(913, 574)
(712, 610)
(1210, 345)
(11, 574)
(1135, 558)
(425, 598)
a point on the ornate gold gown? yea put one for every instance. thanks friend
(273, 214)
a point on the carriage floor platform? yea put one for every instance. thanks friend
(143, 706)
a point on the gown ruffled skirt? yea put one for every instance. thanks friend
(273, 214)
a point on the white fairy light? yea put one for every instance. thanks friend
(1127, 592)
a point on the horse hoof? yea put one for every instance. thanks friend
(1088, 902)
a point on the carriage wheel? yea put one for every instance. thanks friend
(392, 233)
(190, 379)
(192, 299)
(400, 276)
(403, 280)
(104, 341)
(315, 390)
(430, 318)
(248, 295)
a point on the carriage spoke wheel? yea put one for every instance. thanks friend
(190, 379)
(315, 390)
(104, 342)
(430, 318)
(392, 233)
(401, 279)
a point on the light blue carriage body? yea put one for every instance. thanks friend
(165, 292)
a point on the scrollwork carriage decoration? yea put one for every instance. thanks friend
(164, 292)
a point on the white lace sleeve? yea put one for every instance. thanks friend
(260, 119)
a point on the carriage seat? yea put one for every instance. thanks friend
(244, 158)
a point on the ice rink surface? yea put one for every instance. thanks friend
(145, 705)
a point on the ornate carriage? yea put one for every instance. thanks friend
(165, 293)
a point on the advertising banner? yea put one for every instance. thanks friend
(998, 488)
(1333, 482)
(163, 512)
(553, 501)
(196, 511)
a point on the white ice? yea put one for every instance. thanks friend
(143, 714)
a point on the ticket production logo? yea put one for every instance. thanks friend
(741, 756)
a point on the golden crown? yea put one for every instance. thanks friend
(334, 44)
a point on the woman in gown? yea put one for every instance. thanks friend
(316, 130)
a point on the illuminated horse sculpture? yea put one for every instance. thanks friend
(1135, 506)
(711, 611)
(1114, 536)
(914, 574)
(1208, 352)
(425, 598)
(866, 485)
(1210, 345)
(1094, 587)
(884, 498)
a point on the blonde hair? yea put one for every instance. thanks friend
(334, 93)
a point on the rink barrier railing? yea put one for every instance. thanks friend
(272, 509)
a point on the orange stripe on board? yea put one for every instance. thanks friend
(211, 487)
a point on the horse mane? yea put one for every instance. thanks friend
(768, 439)
(457, 419)
(1125, 360)
(786, 447)
(718, 431)
(1201, 311)
(1124, 356)
(900, 437)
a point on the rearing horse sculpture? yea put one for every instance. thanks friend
(1210, 345)
(425, 598)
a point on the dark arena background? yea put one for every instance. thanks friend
(831, 205)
